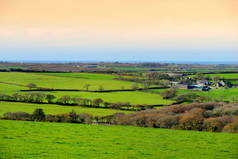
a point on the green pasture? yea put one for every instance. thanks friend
(225, 75)
(225, 94)
(54, 109)
(133, 97)
(42, 140)
(222, 75)
(83, 75)
(9, 89)
(64, 81)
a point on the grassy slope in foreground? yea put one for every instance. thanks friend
(21, 139)
(53, 109)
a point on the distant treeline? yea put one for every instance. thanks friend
(28, 70)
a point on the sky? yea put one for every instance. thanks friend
(119, 30)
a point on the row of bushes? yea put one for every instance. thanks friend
(42, 98)
(39, 115)
(215, 117)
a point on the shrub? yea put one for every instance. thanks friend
(170, 93)
(73, 116)
(232, 127)
(38, 115)
(166, 121)
(17, 116)
(192, 120)
(213, 125)
(85, 118)
(226, 110)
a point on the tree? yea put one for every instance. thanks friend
(38, 115)
(39, 97)
(64, 99)
(73, 116)
(215, 79)
(146, 84)
(200, 76)
(49, 98)
(86, 86)
(170, 93)
(134, 86)
(100, 89)
(97, 102)
(31, 85)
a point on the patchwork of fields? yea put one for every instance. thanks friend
(21, 139)
(63, 82)
(14, 82)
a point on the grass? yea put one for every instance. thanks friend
(83, 75)
(54, 109)
(222, 75)
(9, 89)
(64, 81)
(42, 140)
(136, 97)
(225, 75)
(225, 94)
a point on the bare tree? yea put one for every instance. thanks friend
(86, 86)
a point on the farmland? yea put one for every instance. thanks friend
(53, 109)
(225, 94)
(27, 139)
(222, 75)
(63, 82)
(14, 82)
(20, 139)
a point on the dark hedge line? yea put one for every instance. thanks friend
(41, 98)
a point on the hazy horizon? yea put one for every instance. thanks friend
(126, 30)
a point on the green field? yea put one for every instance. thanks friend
(41, 140)
(225, 94)
(64, 81)
(225, 75)
(54, 109)
(222, 75)
(83, 75)
(75, 81)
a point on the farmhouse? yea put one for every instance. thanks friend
(202, 82)
(220, 84)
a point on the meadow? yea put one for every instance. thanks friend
(225, 94)
(54, 109)
(22, 139)
(63, 81)
(15, 81)
(222, 75)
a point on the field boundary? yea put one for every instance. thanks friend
(79, 90)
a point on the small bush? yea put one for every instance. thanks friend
(232, 127)
(192, 120)
(17, 116)
(213, 125)
(38, 115)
